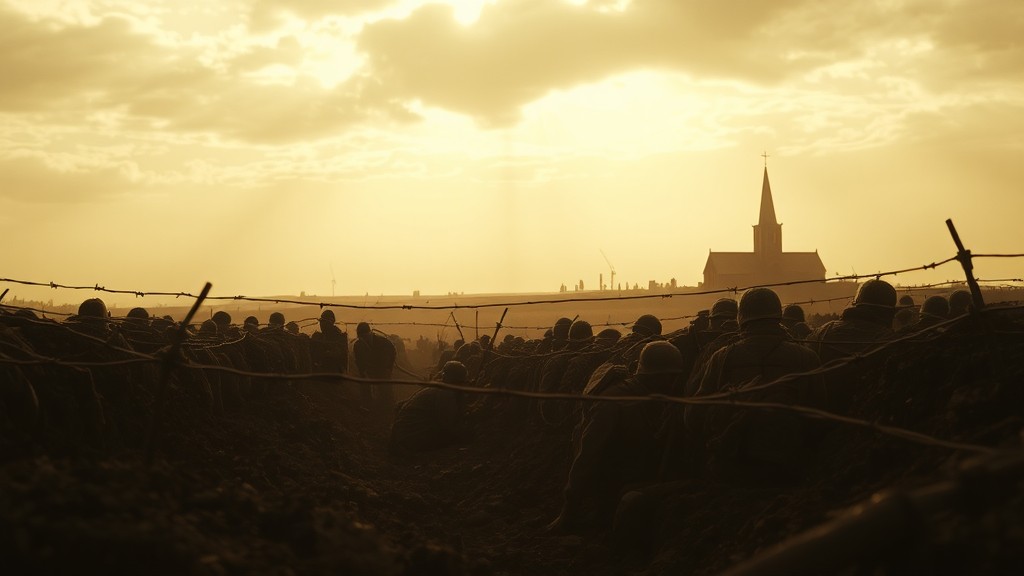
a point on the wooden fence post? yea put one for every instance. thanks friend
(964, 257)
(170, 362)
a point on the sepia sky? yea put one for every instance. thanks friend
(493, 146)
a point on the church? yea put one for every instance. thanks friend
(767, 264)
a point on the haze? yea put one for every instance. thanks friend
(498, 146)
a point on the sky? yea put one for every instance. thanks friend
(268, 146)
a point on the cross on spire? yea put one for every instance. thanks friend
(765, 156)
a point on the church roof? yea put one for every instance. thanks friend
(805, 265)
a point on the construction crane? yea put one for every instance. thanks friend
(611, 279)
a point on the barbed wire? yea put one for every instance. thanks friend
(309, 322)
(726, 398)
(838, 363)
(894, 431)
(997, 255)
(667, 295)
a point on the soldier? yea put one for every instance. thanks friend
(92, 318)
(868, 320)
(328, 347)
(864, 323)
(619, 443)
(557, 339)
(448, 355)
(607, 338)
(580, 334)
(140, 335)
(138, 315)
(959, 303)
(375, 357)
(794, 321)
(934, 310)
(507, 344)
(251, 325)
(647, 326)
(906, 313)
(768, 444)
(701, 322)
(275, 323)
(485, 341)
(723, 315)
(223, 320)
(431, 418)
(208, 329)
(698, 345)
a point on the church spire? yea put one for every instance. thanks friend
(767, 217)
(767, 231)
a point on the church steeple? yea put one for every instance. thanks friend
(767, 231)
(767, 206)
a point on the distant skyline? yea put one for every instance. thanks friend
(499, 146)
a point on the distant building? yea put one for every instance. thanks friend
(767, 264)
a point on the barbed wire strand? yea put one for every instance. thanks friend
(727, 398)
(309, 322)
(731, 290)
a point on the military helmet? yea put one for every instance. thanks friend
(252, 320)
(724, 308)
(935, 306)
(610, 335)
(454, 372)
(208, 328)
(876, 293)
(464, 352)
(758, 304)
(222, 318)
(906, 301)
(794, 312)
(362, 328)
(93, 308)
(140, 313)
(327, 316)
(647, 325)
(561, 328)
(660, 357)
(959, 302)
(276, 319)
(580, 330)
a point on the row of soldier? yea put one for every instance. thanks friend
(40, 396)
(745, 350)
(616, 445)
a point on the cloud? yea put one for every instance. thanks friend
(32, 180)
(518, 52)
(266, 14)
(980, 42)
(108, 67)
(287, 51)
(46, 66)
